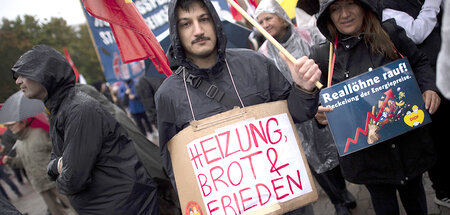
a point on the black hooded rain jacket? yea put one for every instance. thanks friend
(101, 173)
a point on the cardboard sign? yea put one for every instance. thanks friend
(243, 161)
(373, 107)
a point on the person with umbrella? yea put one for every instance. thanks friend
(93, 160)
(33, 150)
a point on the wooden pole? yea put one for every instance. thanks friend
(267, 35)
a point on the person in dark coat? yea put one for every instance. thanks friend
(127, 92)
(249, 78)
(363, 43)
(148, 153)
(7, 207)
(146, 89)
(8, 140)
(421, 21)
(93, 160)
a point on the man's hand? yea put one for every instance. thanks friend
(320, 115)
(432, 101)
(6, 159)
(60, 165)
(305, 72)
(53, 168)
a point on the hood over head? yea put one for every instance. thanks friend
(375, 6)
(47, 66)
(176, 52)
(272, 6)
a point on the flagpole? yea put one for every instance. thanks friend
(92, 38)
(267, 35)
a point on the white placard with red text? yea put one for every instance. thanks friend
(248, 165)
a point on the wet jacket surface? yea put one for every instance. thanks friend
(256, 78)
(101, 173)
(401, 158)
(148, 153)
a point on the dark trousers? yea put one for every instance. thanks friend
(439, 172)
(412, 195)
(18, 173)
(333, 183)
(11, 184)
(138, 117)
(3, 192)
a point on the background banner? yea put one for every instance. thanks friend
(374, 106)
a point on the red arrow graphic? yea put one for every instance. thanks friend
(369, 116)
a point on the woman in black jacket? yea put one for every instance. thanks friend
(361, 43)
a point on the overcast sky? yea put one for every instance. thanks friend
(70, 10)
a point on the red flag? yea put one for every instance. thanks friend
(236, 15)
(77, 75)
(134, 38)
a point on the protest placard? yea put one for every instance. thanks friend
(373, 107)
(243, 161)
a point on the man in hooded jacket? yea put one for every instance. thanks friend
(93, 161)
(198, 50)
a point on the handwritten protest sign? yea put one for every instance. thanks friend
(246, 165)
(374, 107)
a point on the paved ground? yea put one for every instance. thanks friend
(364, 206)
(32, 203)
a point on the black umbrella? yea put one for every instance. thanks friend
(18, 107)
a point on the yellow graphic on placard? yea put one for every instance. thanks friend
(414, 118)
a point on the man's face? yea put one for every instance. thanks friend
(31, 89)
(347, 16)
(16, 127)
(273, 24)
(197, 32)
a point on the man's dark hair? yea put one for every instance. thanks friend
(185, 4)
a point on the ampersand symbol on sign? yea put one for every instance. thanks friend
(273, 168)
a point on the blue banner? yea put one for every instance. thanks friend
(155, 14)
(373, 107)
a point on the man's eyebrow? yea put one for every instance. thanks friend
(200, 16)
(183, 19)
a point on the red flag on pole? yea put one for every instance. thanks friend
(134, 38)
(77, 74)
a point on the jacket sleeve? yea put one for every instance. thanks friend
(420, 64)
(167, 129)
(146, 94)
(83, 142)
(302, 105)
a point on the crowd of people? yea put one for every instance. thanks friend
(105, 150)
